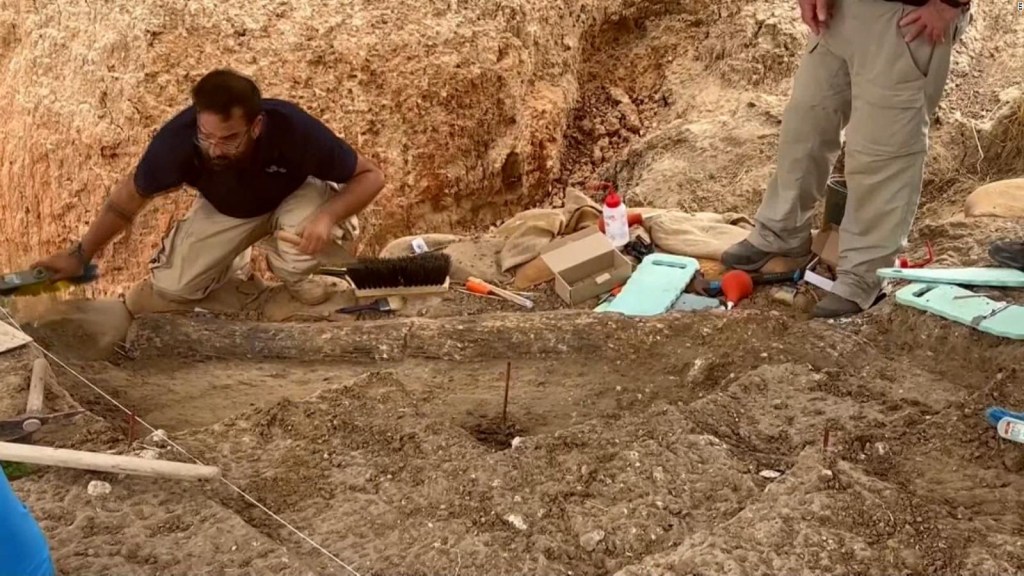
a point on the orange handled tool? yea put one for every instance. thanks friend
(478, 286)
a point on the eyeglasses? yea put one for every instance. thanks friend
(232, 144)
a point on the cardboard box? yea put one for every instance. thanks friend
(826, 245)
(585, 265)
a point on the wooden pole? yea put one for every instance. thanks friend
(46, 456)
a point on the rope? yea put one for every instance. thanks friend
(252, 500)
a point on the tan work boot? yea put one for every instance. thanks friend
(141, 299)
(311, 291)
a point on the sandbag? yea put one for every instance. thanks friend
(528, 232)
(697, 235)
(403, 246)
(1002, 199)
(476, 257)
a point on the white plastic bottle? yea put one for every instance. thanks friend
(1011, 429)
(616, 225)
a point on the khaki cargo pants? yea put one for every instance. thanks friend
(206, 248)
(861, 75)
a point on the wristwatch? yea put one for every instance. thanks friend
(78, 251)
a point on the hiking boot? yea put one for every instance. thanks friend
(142, 299)
(311, 291)
(1008, 253)
(745, 256)
(835, 306)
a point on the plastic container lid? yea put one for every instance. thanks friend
(612, 199)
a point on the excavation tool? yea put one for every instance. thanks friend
(478, 286)
(38, 281)
(737, 285)
(389, 304)
(760, 279)
(415, 274)
(22, 427)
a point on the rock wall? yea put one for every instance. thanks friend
(476, 109)
(463, 103)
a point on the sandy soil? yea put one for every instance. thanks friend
(753, 442)
(640, 453)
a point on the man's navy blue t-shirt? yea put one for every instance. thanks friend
(292, 146)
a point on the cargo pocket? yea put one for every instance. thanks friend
(960, 26)
(920, 53)
(812, 43)
(162, 256)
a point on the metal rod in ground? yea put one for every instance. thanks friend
(504, 407)
(131, 429)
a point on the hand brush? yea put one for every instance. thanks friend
(37, 281)
(425, 273)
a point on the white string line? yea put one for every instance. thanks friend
(179, 448)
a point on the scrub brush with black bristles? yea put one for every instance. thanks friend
(415, 274)
(425, 273)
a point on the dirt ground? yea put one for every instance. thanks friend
(746, 442)
(642, 447)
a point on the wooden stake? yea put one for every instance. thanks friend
(46, 456)
(504, 407)
(131, 429)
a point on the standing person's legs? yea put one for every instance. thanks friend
(295, 268)
(896, 89)
(809, 142)
(202, 251)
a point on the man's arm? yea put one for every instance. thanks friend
(330, 158)
(361, 189)
(116, 214)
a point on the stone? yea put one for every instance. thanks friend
(98, 488)
(590, 540)
(516, 520)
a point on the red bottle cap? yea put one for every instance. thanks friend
(612, 200)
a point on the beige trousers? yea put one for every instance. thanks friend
(206, 248)
(861, 75)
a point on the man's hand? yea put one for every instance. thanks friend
(933, 20)
(316, 234)
(815, 13)
(62, 266)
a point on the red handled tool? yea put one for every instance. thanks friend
(904, 262)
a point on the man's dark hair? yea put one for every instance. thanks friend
(223, 90)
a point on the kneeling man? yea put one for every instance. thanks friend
(260, 166)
